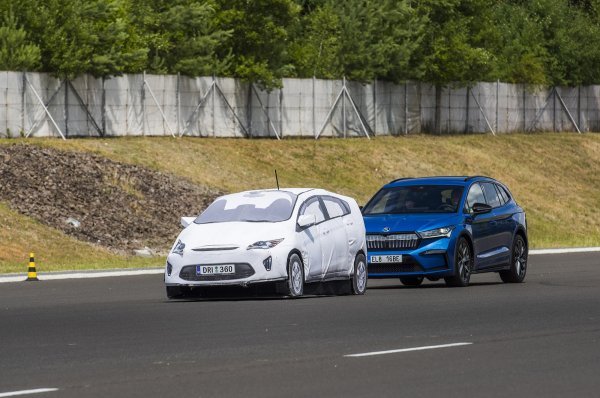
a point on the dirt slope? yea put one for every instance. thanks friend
(116, 205)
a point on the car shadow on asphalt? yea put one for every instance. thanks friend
(265, 293)
(429, 286)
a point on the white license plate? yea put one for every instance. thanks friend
(395, 258)
(215, 269)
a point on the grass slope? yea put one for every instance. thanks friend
(555, 177)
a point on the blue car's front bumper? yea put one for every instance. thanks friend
(431, 258)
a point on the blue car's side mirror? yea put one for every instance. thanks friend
(481, 208)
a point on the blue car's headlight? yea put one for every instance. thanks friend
(178, 248)
(264, 244)
(436, 233)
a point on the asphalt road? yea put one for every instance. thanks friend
(120, 337)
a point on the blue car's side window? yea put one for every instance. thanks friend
(490, 194)
(475, 196)
(505, 198)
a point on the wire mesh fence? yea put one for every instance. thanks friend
(37, 104)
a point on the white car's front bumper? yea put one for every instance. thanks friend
(249, 265)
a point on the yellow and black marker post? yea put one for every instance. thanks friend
(31, 272)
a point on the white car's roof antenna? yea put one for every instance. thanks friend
(276, 179)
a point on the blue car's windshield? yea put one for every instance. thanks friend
(415, 199)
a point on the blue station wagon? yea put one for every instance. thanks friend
(445, 227)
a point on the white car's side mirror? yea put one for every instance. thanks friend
(306, 220)
(185, 221)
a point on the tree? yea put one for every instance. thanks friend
(182, 36)
(260, 39)
(452, 51)
(79, 36)
(361, 40)
(16, 52)
(316, 49)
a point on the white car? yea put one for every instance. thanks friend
(290, 236)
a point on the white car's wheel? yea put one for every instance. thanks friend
(359, 279)
(295, 280)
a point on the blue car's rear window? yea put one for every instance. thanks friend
(415, 199)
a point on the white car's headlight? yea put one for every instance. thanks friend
(264, 244)
(178, 248)
(437, 233)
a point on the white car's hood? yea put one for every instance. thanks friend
(232, 234)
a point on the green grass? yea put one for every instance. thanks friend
(555, 177)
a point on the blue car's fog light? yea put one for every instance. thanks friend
(169, 268)
(267, 263)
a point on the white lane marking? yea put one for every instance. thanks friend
(429, 347)
(82, 275)
(563, 251)
(27, 392)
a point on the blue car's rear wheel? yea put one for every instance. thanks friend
(518, 262)
(463, 264)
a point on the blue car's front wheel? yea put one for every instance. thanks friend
(463, 264)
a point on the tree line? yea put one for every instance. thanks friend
(548, 42)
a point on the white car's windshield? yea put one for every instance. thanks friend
(257, 206)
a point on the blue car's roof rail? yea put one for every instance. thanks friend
(400, 179)
(472, 177)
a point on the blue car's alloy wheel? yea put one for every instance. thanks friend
(463, 264)
(518, 262)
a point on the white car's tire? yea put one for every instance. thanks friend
(295, 280)
(359, 279)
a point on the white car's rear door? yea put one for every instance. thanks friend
(338, 262)
(310, 238)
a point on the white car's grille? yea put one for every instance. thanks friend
(392, 241)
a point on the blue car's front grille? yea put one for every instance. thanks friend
(392, 268)
(393, 241)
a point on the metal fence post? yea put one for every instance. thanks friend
(143, 100)
(405, 108)
(524, 110)
(374, 107)
(66, 84)
(344, 106)
(103, 107)
(467, 111)
(497, 101)
(579, 106)
(214, 106)
(249, 110)
(314, 111)
(178, 101)
(449, 122)
(281, 111)
(554, 109)
(23, 102)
